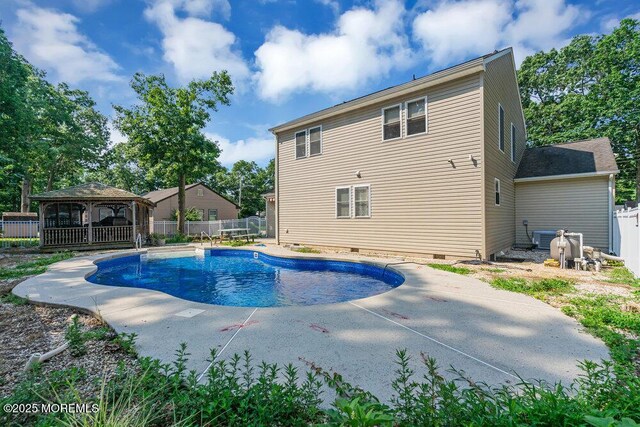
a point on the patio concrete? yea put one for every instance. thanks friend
(490, 334)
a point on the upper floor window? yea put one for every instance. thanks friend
(500, 128)
(200, 192)
(513, 142)
(496, 183)
(301, 144)
(416, 117)
(391, 123)
(315, 140)
(343, 202)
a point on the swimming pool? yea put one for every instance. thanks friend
(248, 279)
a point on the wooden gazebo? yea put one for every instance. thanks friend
(92, 216)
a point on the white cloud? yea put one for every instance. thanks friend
(451, 31)
(610, 23)
(51, 40)
(257, 149)
(366, 44)
(116, 137)
(195, 46)
(334, 5)
(90, 6)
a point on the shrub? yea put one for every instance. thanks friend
(75, 337)
(239, 392)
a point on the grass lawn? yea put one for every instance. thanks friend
(16, 242)
(30, 268)
(613, 318)
(450, 268)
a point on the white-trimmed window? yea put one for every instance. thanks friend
(315, 141)
(301, 144)
(500, 128)
(362, 201)
(496, 183)
(391, 124)
(513, 142)
(200, 192)
(416, 120)
(343, 202)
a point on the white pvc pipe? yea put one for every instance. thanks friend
(37, 357)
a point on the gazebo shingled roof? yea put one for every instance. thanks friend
(91, 191)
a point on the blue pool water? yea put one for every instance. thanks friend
(248, 279)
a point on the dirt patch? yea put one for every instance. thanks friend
(28, 329)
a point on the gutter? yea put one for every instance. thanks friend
(565, 176)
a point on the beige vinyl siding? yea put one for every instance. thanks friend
(209, 200)
(500, 88)
(420, 203)
(580, 205)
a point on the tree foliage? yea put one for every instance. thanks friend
(51, 134)
(588, 89)
(165, 129)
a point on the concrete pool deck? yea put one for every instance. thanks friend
(461, 321)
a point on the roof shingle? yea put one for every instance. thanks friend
(90, 191)
(579, 157)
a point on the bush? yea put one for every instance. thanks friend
(238, 392)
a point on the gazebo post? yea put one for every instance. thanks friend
(90, 225)
(133, 209)
(41, 211)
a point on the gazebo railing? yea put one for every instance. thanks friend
(80, 235)
(121, 233)
(64, 236)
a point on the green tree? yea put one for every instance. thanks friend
(590, 88)
(50, 134)
(15, 120)
(164, 130)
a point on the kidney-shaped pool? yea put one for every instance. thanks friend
(248, 279)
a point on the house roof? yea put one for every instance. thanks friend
(90, 191)
(588, 157)
(457, 71)
(164, 193)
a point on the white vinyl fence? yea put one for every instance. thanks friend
(626, 238)
(254, 225)
(19, 233)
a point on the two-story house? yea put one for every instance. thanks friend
(426, 167)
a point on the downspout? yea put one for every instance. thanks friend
(276, 211)
(610, 211)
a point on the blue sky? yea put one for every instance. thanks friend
(286, 57)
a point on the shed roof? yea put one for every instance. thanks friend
(90, 191)
(588, 157)
(164, 193)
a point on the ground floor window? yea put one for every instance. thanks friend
(497, 191)
(353, 201)
(343, 202)
(213, 214)
(361, 197)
